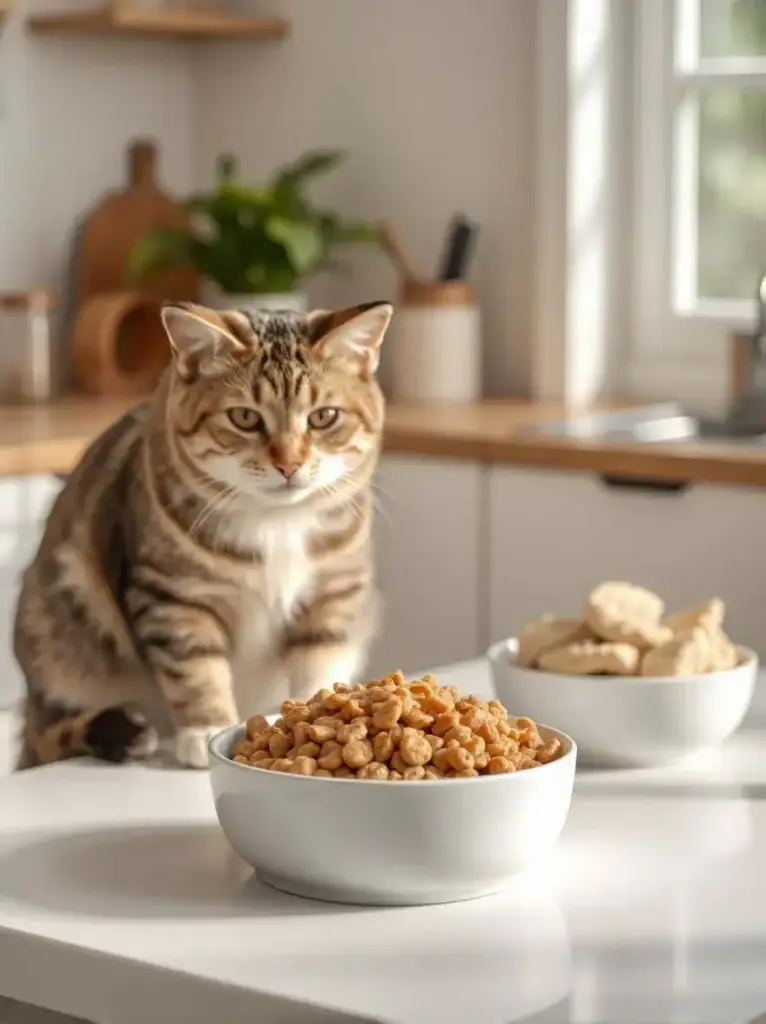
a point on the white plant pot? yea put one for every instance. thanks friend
(216, 299)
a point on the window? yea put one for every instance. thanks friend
(700, 216)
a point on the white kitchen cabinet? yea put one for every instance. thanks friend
(428, 538)
(24, 506)
(554, 534)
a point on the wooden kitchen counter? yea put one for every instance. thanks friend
(50, 439)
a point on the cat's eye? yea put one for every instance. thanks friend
(321, 419)
(245, 418)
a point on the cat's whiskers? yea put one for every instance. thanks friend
(356, 499)
(376, 486)
(382, 512)
(216, 504)
(335, 488)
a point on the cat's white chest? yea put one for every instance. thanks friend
(283, 578)
(286, 571)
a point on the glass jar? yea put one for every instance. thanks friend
(27, 370)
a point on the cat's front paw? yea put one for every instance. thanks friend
(120, 734)
(191, 745)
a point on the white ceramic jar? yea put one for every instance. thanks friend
(435, 343)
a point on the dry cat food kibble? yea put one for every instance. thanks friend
(390, 729)
(623, 632)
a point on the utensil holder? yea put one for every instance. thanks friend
(435, 342)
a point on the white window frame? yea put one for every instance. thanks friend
(574, 299)
(675, 343)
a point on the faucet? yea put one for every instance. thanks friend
(757, 368)
(759, 338)
(747, 413)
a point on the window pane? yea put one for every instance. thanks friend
(732, 28)
(732, 193)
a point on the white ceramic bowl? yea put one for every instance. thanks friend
(629, 720)
(390, 843)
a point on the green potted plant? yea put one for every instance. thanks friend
(254, 246)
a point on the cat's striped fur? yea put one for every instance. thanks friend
(214, 544)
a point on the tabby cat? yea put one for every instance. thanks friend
(213, 545)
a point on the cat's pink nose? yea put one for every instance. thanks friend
(287, 469)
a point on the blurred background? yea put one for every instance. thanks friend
(432, 103)
(564, 200)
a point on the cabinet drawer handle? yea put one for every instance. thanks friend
(628, 483)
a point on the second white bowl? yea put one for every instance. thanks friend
(629, 720)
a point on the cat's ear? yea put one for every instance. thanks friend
(352, 336)
(201, 341)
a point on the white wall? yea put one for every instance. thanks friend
(434, 102)
(433, 99)
(68, 107)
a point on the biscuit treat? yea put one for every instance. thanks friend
(720, 652)
(624, 613)
(545, 633)
(687, 653)
(589, 658)
(708, 615)
(623, 632)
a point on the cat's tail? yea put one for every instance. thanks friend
(115, 734)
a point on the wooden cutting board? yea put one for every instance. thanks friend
(109, 231)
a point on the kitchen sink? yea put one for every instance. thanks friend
(667, 423)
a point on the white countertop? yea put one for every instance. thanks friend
(120, 902)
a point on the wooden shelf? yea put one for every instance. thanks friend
(156, 24)
(12, 302)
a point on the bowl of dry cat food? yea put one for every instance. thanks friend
(633, 684)
(391, 793)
